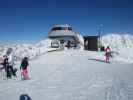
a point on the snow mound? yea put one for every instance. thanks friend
(80, 39)
(122, 45)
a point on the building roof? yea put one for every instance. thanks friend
(61, 33)
(62, 25)
(61, 30)
(95, 36)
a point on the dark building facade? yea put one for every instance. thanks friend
(91, 43)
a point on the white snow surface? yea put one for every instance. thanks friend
(72, 75)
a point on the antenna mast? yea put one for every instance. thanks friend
(99, 37)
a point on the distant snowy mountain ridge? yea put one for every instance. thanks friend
(30, 50)
(117, 40)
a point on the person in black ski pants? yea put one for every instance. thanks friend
(10, 54)
(6, 66)
(8, 69)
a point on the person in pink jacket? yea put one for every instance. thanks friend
(24, 68)
(108, 54)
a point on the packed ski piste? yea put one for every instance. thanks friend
(39, 72)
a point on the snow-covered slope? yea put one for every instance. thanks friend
(72, 75)
(122, 45)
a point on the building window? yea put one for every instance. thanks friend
(61, 28)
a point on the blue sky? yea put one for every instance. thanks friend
(31, 20)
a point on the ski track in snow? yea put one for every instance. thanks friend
(70, 75)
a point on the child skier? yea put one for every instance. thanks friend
(107, 54)
(24, 69)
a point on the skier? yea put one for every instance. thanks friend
(6, 66)
(1, 63)
(68, 44)
(24, 69)
(9, 62)
(107, 54)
